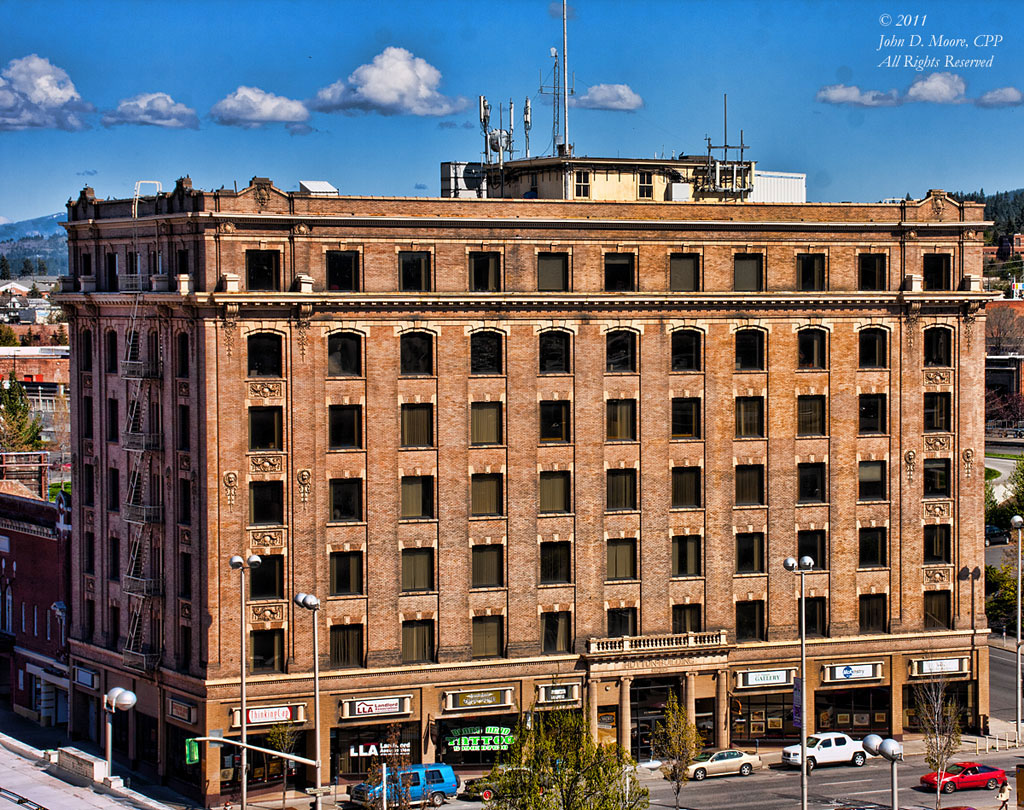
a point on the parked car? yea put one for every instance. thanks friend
(966, 775)
(827, 748)
(994, 536)
(485, 787)
(427, 784)
(722, 763)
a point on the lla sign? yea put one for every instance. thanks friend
(480, 738)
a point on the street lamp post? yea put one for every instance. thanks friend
(312, 604)
(241, 565)
(1017, 522)
(116, 698)
(887, 749)
(801, 567)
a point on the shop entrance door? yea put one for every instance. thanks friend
(648, 697)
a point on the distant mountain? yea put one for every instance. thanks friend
(39, 240)
(40, 226)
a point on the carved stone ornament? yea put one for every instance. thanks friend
(968, 457)
(938, 207)
(90, 585)
(910, 459)
(228, 328)
(90, 518)
(87, 381)
(266, 390)
(230, 487)
(273, 538)
(87, 447)
(267, 613)
(262, 195)
(185, 537)
(266, 464)
(938, 377)
(184, 461)
(303, 329)
(970, 316)
(936, 442)
(304, 477)
(226, 227)
(913, 318)
(183, 389)
(936, 575)
(942, 509)
(186, 611)
(301, 229)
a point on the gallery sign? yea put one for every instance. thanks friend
(939, 666)
(860, 671)
(759, 678)
(376, 706)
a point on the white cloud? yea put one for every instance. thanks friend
(854, 96)
(152, 109)
(609, 97)
(395, 83)
(555, 10)
(938, 88)
(252, 107)
(1001, 97)
(34, 93)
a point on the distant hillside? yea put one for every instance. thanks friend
(40, 226)
(39, 239)
(1004, 208)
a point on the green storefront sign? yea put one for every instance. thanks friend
(480, 738)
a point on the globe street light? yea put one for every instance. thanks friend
(801, 567)
(1017, 522)
(116, 698)
(887, 749)
(241, 566)
(309, 602)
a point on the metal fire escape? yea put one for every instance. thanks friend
(142, 510)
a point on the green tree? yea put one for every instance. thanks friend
(33, 291)
(20, 429)
(8, 337)
(5, 268)
(676, 742)
(41, 267)
(939, 716)
(1014, 502)
(60, 337)
(1001, 589)
(283, 737)
(26, 267)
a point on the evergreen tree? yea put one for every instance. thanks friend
(60, 337)
(26, 267)
(33, 291)
(7, 336)
(41, 268)
(20, 429)
(5, 268)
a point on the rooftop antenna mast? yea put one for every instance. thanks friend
(735, 183)
(554, 90)
(527, 123)
(485, 120)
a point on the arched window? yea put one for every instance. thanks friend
(620, 354)
(485, 353)
(417, 353)
(555, 352)
(686, 350)
(265, 355)
(812, 348)
(873, 351)
(938, 346)
(344, 355)
(750, 350)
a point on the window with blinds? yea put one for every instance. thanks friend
(346, 573)
(750, 485)
(556, 631)
(488, 563)
(346, 645)
(488, 638)
(417, 641)
(686, 487)
(417, 569)
(621, 420)
(621, 558)
(684, 272)
(417, 429)
(555, 491)
(810, 416)
(686, 555)
(749, 417)
(417, 496)
(621, 490)
(552, 272)
(485, 423)
(486, 496)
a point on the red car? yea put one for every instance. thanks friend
(965, 775)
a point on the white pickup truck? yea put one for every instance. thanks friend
(827, 748)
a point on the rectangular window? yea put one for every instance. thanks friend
(87, 417)
(184, 502)
(621, 421)
(937, 613)
(88, 484)
(686, 555)
(619, 273)
(812, 349)
(750, 553)
(621, 490)
(621, 622)
(621, 558)
(185, 575)
(115, 626)
(486, 496)
(343, 271)
(346, 573)
(555, 420)
(414, 271)
(89, 553)
(89, 621)
(872, 412)
(110, 356)
(346, 499)
(417, 496)
(685, 418)
(750, 621)
(684, 272)
(936, 273)
(645, 185)
(113, 490)
(811, 487)
(417, 569)
(937, 412)
(417, 642)
(184, 648)
(686, 488)
(815, 619)
(114, 558)
(267, 650)
(485, 423)
(871, 271)
(937, 482)
(266, 503)
(182, 264)
(553, 272)
(263, 270)
(417, 426)
(872, 547)
(749, 417)
(937, 544)
(555, 492)
(488, 638)
(489, 566)
(345, 429)
(555, 563)
(871, 481)
(810, 416)
(485, 272)
(750, 485)
(267, 580)
(265, 428)
(686, 619)
(747, 272)
(810, 272)
(556, 630)
(812, 544)
(113, 421)
(346, 646)
(184, 427)
(582, 185)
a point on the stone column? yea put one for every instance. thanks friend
(690, 695)
(625, 711)
(722, 709)
(593, 699)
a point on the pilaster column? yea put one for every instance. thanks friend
(592, 701)
(625, 712)
(690, 695)
(722, 709)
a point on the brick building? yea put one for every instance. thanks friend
(528, 453)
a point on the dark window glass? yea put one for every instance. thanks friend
(749, 417)
(750, 485)
(871, 271)
(267, 650)
(937, 614)
(112, 272)
(114, 558)
(872, 412)
(346, 499)
(555, 563)
(621, 622)
(85, 350)
(346, 646)
(266, 503)
(873, 353)
(89, 553)
(621, 558)
(184, 502)
(686, 555)
(417, 425)
(264, 354)
(417, 642)
(87, 417)
(485, 423)
(88, 485)
(262, 270)
(181, 355)
(184, 427)
(812, 349)
(811, 483)
(485, 353)
(685, 487)
(113, 421)
(343, 270)
(486, 495)
(871, 481)
(110, 352)
(266, 581)
(618, 272)
(114, 628)
(621, 420)
(937, 272)
(265, 428)
(873, 617)
(344, 355)
(750, 553)
(417, 569)
(488, 638)
(938, 346)
(556, 630)
(936, 478)
(417, 496)
(555, 356)
(686, 619)
(346, 426)
(686, 350)
(685, 418)
(583, 184)
(553, 272)
(414, 271)
(810, 416)
(113, 490)
(182, 266)
(555, 421)
(346, 573)
(872, 547)
(937, 412)
(621, 486)
(812, 544)
(485, 272)
(815, 617)
(749, 350)
(620, 351)
(684, 272)
(937, 544)
(555, 492)
(747, 272)
(645, 185)
(417, 353)
(488, 566)
(810, 272)
(750, 621)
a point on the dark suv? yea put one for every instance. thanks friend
(994, 536)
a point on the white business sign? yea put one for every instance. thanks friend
(941, 666)
(765, 677)
(375, 707)
(268, 715)
(853, 672)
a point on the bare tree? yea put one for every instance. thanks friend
(1004, 331)
(939, 715)
(396, 760)
(677, 741)
(283, 737)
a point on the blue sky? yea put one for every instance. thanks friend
(372, 96)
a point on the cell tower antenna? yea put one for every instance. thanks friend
(554, 90)
(485, 120)
(527, 123)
